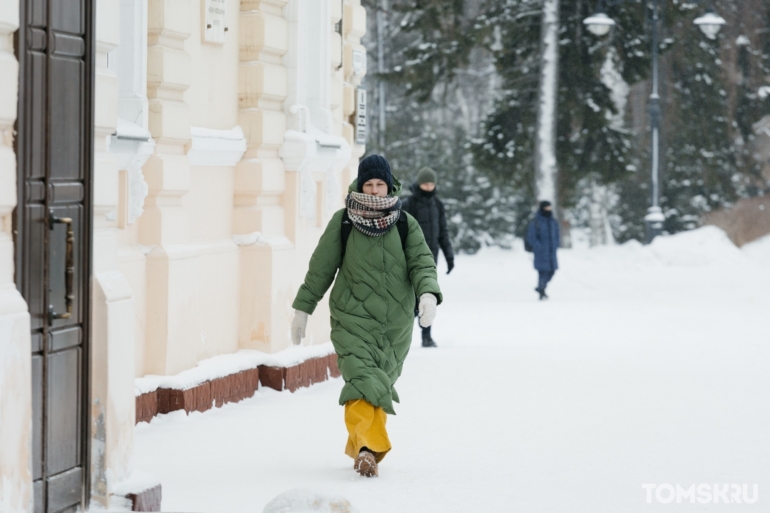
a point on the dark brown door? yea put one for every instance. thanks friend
(52, 228)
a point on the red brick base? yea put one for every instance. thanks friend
(301, 375)
(148, 500)
(235, 387)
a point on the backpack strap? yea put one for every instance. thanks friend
(345, 229)
(402, 225)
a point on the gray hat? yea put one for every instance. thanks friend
(426, 175)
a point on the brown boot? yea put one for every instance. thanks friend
(366, 464)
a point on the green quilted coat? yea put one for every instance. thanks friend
(372, 303)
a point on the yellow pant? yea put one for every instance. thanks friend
(366, 428)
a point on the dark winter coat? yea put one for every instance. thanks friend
(543, 236)
(372, 302)
(429, 212)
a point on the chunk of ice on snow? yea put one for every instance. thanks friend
(306, 501)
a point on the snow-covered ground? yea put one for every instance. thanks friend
(648, 365)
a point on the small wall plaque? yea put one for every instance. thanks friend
(360, 115)
(359, 62)
(214, 18)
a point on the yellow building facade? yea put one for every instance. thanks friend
(223, 140)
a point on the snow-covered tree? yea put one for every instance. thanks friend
(441, 83)
(593, 76)
(710, 97)
(546, 168)
(463, 96)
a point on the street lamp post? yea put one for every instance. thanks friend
(654, 218)
(600, 24)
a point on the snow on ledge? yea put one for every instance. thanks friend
(227, 364)
(137, 483)
(247, 239)
(209, 147)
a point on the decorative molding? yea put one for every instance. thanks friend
(309, 51)
(307, 194)
(247, 239)
(311, 152)
(137, 193)
(209, 147)
(133, 146)
(332, 191)
(309, 147)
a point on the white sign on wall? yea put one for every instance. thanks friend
(214, 18)
(360, 116)
(359, 62)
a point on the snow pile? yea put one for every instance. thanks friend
(305, 501)
(227, 364)
(630, 373)
(759, 250)
(116, 504)
(708, 245)
(137, 482)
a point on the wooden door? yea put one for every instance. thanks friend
(54, 46)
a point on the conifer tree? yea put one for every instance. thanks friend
(701, 172)
(462, 98)
(711, 102)
(593, 84)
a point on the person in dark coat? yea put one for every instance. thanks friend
(424, 205)
(543, 237)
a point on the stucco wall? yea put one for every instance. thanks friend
(213, 259)
(269, 180)
(113, 326)
(15, 373)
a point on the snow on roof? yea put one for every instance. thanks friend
(710, 18)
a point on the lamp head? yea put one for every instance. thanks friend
(599, 24)
(710, 23)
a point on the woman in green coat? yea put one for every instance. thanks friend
(383, 267)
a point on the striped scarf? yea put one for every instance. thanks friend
(372, 215)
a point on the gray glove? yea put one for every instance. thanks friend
(298, 325)
(427, 309)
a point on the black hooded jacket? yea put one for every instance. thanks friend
(430, 214)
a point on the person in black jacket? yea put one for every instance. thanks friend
(424, 206)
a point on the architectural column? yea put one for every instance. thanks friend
(260, 177)
(132, 145)
(112, 340)
(353, 29)
(15, 372)
(172, 313)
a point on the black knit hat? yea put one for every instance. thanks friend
(544, 204)
(374, 166)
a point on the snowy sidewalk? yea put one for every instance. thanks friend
(648, 365)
